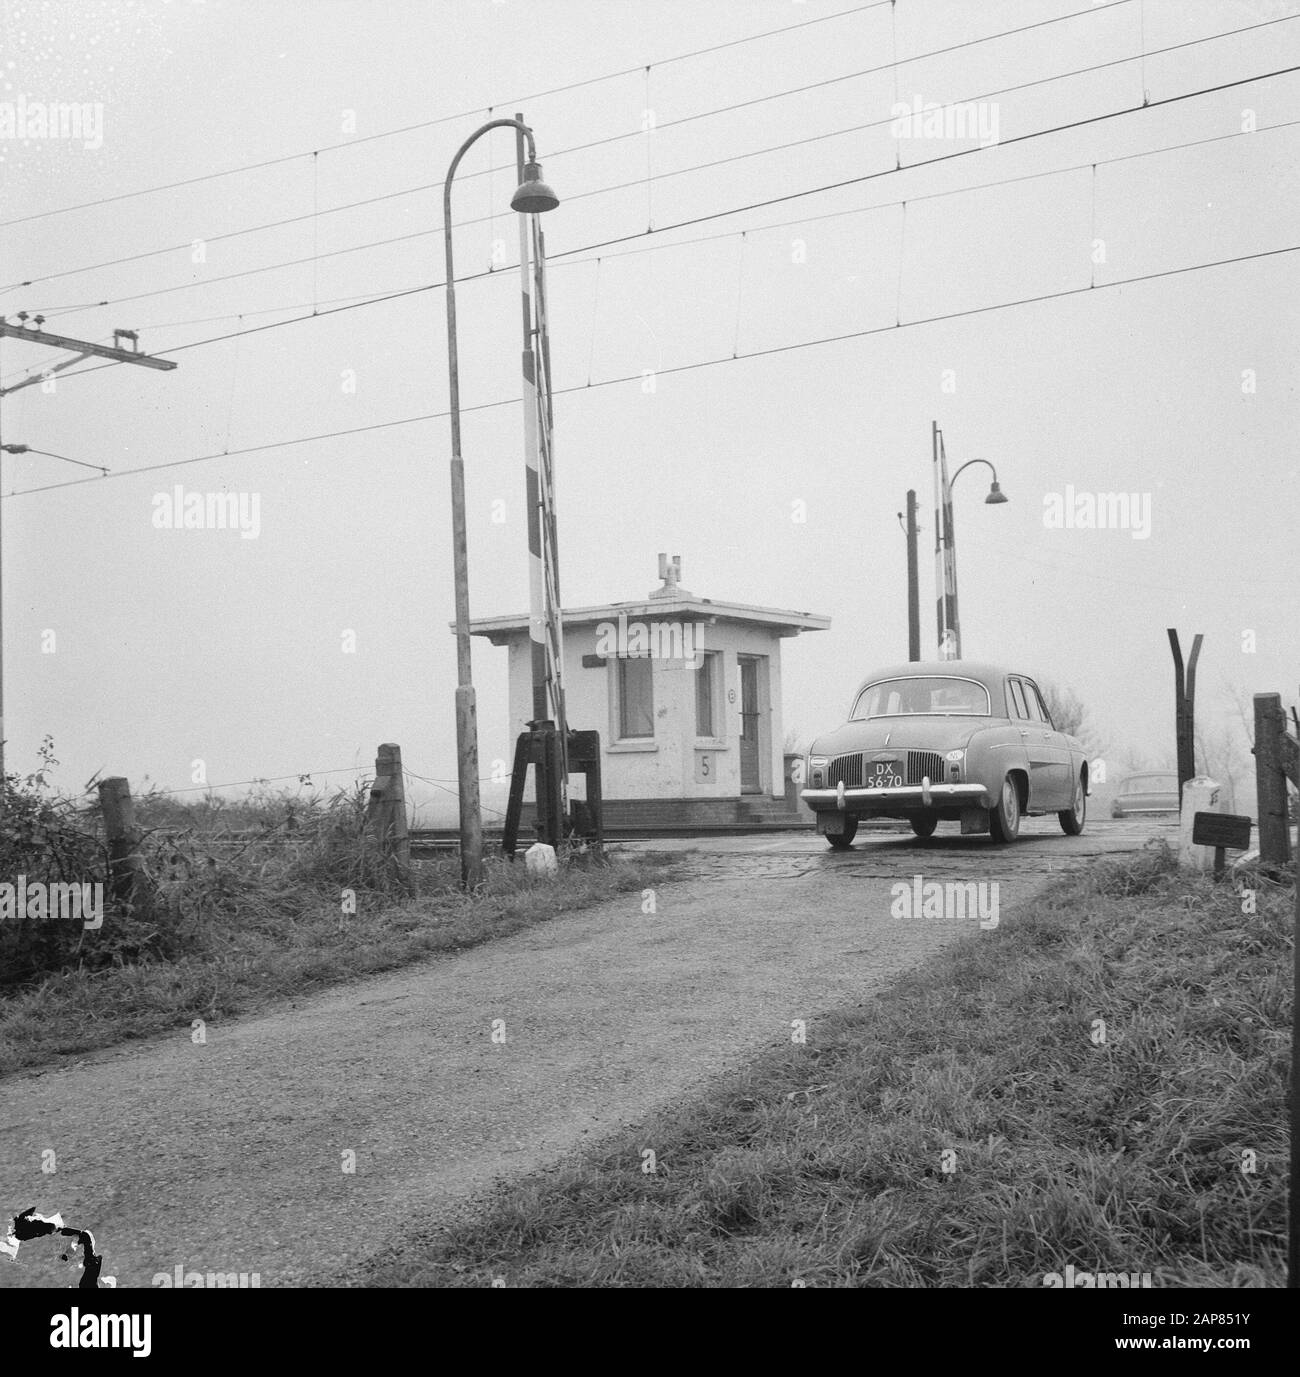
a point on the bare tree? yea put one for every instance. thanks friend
(1219, 754)
(1135, 762)
(1070, 715)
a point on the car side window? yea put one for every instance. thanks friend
(1032, 689)
(1031, 701)
(1017, 698)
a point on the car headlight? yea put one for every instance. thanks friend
(958, 756)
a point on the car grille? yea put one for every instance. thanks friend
(848, 769)
(924, 764)
(845, 769)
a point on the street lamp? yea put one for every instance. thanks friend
(996, 494)
(945, 544)
(532, 197)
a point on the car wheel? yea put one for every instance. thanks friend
(1073, 817)
(844, 840)
(1004, 820)
(923, 824)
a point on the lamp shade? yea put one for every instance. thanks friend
(996, 494)
(533, 196)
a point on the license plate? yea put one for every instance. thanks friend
(882, 775)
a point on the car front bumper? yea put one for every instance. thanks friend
(904, 796)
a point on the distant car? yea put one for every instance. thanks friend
(946, 740)
(1153, 792)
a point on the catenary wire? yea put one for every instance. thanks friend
(753, 205)
(1040, 298)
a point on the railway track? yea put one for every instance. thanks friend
(431, 840)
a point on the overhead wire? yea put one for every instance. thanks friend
(461, 114)
(315, 258)
(967, 312)
(777, 200)
(371, 298)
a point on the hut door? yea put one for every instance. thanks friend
(750, 774)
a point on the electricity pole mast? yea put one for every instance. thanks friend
(81, 349)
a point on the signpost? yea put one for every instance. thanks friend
(1221, 831)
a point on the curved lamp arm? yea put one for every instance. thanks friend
(451, 273)
(967, 465)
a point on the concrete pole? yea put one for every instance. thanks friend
(913, 582)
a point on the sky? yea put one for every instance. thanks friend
(759, 304)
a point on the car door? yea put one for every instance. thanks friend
(1058, 757)
(1035, 736)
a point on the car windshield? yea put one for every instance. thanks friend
(1150, 784)
(933, 696)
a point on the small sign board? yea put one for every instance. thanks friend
(1229, 830)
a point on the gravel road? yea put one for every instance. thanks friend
(232, 1156)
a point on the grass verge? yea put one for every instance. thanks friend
(268, 929)
(824, 1164)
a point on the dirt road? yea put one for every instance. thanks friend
(294, 1143)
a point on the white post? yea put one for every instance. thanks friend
(1200, 795)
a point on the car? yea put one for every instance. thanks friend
(1156, 791)
(946, 740)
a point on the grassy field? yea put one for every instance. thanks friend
(232, 928)
(970, 1127)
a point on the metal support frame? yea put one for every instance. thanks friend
(552, 757)
(82, 349)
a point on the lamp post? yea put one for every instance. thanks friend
(531, 198)
(945, 544)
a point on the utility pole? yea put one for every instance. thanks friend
(82, 349)
(945, 556)
(913, 583)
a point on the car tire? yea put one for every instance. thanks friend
(844, 840)
(923, 824)
(1074, 817)
(1004, 818)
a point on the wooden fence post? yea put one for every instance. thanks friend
(126, 870)
(1270, 780)
(386, 812)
